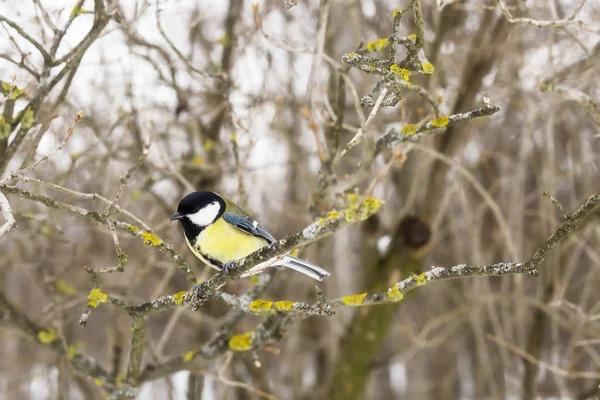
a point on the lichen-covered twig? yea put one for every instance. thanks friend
(568, 226)
(8, 216)
(286, 311)
(149, 239)
(414, 131)
(213, 348)
(136, 350)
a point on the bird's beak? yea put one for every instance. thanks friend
(176, 216)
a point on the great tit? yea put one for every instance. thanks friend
(219, 232)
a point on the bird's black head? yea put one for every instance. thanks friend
(197, 210)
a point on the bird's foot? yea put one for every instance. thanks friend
(228, 266)
(197, 290)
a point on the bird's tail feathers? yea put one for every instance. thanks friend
(303, 266)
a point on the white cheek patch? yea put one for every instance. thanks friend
(207, 215)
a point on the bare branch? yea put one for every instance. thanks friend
(569, 21)
(358, 138)
(25, 35)
(47, 157)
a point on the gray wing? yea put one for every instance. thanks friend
(249, 226)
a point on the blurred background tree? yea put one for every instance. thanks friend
(301, 112)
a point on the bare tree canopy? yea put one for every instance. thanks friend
(440, 159)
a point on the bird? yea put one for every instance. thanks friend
(219, 232)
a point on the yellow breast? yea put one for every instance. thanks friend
(223, 242)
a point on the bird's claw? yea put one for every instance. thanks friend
(197, 290)
(228, 266)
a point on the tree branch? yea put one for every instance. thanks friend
(8, 216)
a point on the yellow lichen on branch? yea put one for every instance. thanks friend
(394, 293)
(77, 11)
(369, 207)
(440, 122)
(354, 300)
(178, 297)
(46, 337)
(350, 215)
(403, 73)
(284, 305)
(12, 92)
(96, 297)
(28, 119)
(428, 68)
(151, 239)
(260, 305)
(420, 279)
(333, 214)
(241, 342)
(378, 44)
(409, 130)
(4, 128)
(188, 356)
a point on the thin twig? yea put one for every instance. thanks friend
(570, 374)
(569, 21)
(358, 138)
(557, 203)
(223, 379)
(319, 51)
(121, 256)
(86, 196)
(25, 35)
(127, 175)
(47, 157)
